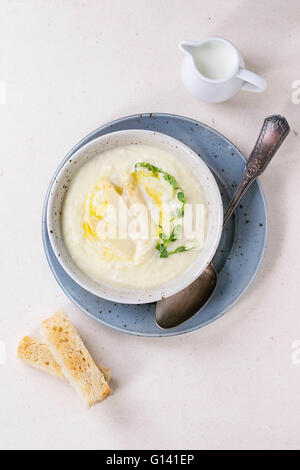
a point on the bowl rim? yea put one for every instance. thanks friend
(137, 296)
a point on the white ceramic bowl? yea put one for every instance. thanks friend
(199, 170)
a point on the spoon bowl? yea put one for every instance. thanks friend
(177, 309)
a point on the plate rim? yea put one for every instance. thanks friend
(163, 333)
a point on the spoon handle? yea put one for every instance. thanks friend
(273, 132)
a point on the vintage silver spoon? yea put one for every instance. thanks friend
(182, 306)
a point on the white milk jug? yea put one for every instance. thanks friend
(213, 70)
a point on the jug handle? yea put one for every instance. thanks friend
(252, 81)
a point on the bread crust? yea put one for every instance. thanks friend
(76, 363)
(37, 354)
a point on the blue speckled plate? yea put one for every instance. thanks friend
(241, 249)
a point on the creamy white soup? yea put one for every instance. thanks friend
(134, 217)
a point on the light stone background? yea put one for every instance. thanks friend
(69, 67)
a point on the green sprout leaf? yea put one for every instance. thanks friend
(170, 179)
(163, 253)
(180, 249)
(180, 213)
(180, 197)
(162, 245)
(153, 169)
(175, 233)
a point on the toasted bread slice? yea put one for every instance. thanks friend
(37, 354)
(76, 362)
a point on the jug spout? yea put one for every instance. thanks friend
(188, 47)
